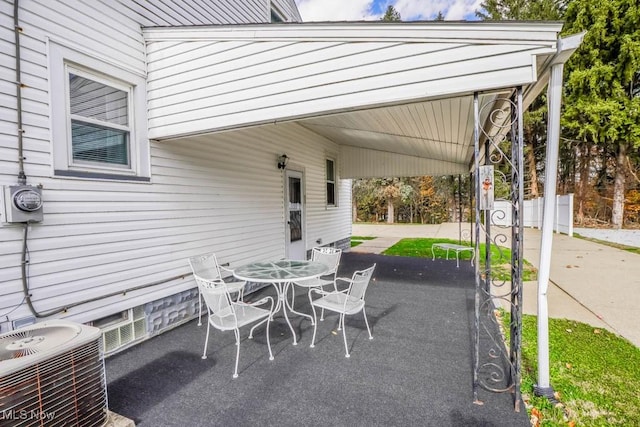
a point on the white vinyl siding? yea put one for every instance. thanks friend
(222, 79)
(100, 237)
(221, 193)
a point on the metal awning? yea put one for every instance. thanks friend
(396, 97)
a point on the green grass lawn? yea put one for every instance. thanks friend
(356, 240)
(596, 375)
(500, 256)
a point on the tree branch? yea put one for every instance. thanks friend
(631, 170)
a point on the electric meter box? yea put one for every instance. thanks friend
(22, 203)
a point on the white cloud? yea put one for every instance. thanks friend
(462, 9)
(336, 10)
(410, 10)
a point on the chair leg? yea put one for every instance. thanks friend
(366, 322)
(199, 307)
(206, 342)
(237, 332)
(344, 335)
(268, 340)
(315, 322)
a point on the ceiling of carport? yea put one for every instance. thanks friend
(441, 129)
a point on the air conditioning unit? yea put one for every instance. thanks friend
(52, 374)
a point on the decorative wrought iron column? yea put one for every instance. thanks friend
(497, 356)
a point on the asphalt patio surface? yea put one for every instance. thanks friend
(417, 371)
(589, 282)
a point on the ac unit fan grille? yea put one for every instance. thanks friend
(68, 389)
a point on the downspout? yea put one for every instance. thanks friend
(554, 97)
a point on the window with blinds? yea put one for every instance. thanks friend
(100, 123)
(98, 117)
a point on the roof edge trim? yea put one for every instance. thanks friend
(477, 32)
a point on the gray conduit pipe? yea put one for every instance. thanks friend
(22, 178)
(27, 294)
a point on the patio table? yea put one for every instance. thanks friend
(281, 274)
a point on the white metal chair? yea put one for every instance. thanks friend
(225, 314)
(331, 258)
(207, 267)
(345, 302)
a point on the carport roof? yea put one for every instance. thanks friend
(397, 97)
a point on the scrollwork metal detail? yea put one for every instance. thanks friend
(497, 343)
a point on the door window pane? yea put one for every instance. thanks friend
(295, 225)
(295, 209)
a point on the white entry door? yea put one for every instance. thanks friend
(294, 215)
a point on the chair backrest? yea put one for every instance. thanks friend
(360, 282)
(213, 289)
(205, 266)
(328, 256)
(217, 299)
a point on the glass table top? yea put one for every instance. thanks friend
(280, 271)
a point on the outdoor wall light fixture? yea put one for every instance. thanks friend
(282, 161)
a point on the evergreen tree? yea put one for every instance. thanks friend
(602, 102)
(521, 9)
(391, 14)
(535, 125)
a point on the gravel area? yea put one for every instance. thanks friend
(624, 237)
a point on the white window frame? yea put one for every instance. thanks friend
(62, 61)
(334, 182)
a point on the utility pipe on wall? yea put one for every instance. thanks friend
(22, 178)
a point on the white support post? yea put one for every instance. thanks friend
(554, 95)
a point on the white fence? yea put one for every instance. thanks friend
(563, 218)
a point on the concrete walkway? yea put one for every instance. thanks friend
(589, 282)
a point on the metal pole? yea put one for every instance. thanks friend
(476, 154)
(487, 226)
(459, 211)
(517, 243)
(554, 94)
(470, 206)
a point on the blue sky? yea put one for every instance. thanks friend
(410, 10)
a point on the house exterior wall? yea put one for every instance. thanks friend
(104, 236)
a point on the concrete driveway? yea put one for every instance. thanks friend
(589, 282)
